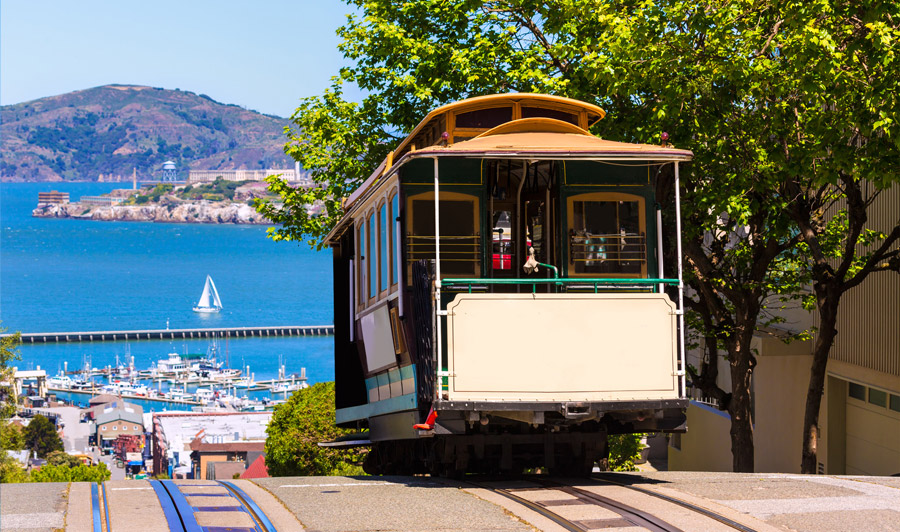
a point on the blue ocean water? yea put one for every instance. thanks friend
(76, 275)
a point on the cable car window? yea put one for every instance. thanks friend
(607, 236)
(383, 230)
(460, 241)
(373, 258)
(484, 118)
(363, 255)
(395, 212)
(540, 112)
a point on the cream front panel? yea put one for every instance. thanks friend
(562, 347)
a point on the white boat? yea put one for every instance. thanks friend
(171, 366)
(209, 299)
(205, 395)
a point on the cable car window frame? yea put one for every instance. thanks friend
(409, 241)
(607, 197)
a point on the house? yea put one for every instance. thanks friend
(173, 433)
(112, 424)
(257, 469)
(208, 453)
(116, 404)
(859, 421)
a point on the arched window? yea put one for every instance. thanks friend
(363, 256)
(384, 231)
(372, 229)
(392, 217)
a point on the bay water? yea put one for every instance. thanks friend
(59, 275)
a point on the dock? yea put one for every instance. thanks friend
(176, 334)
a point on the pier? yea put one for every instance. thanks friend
(177, 334)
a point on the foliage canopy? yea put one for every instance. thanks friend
(295, 430)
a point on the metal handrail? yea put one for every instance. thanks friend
(597, 283)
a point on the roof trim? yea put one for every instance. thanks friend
(531, 125)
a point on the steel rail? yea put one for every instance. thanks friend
(250, 505)
(553, 516)
(168, 506)
(95, 507)
(684, 504)
(105, 507)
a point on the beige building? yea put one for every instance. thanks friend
(291, 175)
(118, 422)
(860, 417)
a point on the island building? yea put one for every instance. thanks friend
(169, 173)
(184, 444)
(291, 175)
(53, 197)
(859, 421)
(100, 201)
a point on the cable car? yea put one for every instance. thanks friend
(501, 300)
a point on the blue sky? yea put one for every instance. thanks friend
(261, 55)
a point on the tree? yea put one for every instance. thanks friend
(729, 80)
(295, 430)
(41, 437)
(12, 436)
(62, 458)
(9, 352)
(10, 470)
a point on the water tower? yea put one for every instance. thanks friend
(169, 173)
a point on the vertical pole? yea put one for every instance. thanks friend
(683, 370)
(659, 247)
(437, 282)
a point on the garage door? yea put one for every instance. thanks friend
(873, 431)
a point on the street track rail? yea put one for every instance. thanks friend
(684, 504)
(629, 515)
(180, 514)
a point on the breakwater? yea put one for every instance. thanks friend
(177, 334)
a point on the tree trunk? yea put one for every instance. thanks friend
(740, 409)
(827, 299)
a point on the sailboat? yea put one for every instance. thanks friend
(209, 293)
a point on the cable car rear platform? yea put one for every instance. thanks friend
(670, 501)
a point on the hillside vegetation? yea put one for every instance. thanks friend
(111, 129)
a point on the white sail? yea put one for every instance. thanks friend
(209, 290)
(216, 301)
(204, 297)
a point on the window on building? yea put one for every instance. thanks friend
(607, 234)
(895, 403)
(877, 397)
(856, 391)
(137, 428)
(395, 213)
(115, 427)
(103, 427)
(384, 230)
(373, 256)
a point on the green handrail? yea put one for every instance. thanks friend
(596, 282)
(563, 280)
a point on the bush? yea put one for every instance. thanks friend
(295, 430)
(62, 473)
(12, 437)
(10, 470)
(624, 451)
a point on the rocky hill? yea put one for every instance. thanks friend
(104, 132)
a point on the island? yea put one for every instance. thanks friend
(220, 201)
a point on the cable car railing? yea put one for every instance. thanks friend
(615, 252)
(598, 283)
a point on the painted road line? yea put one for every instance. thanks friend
(95, 506)
(168, 506)
(248, 501)
(338, 485)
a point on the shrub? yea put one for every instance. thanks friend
(62, 473)
(624, 451)
(41, 437)
(297, 427)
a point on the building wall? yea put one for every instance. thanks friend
(208, 176)
(706, 445)
(113, 429)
